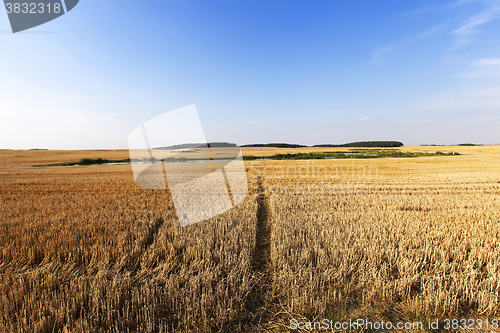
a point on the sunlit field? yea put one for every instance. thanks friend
(83, 249)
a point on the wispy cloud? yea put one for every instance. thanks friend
(464, 99)
(385, 55)
(380, 56)
(471, 25)
(363, 119)
(487, 68)
(467, 28)
(488, 62)
(79, 116)
(427, 9)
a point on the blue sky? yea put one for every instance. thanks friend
(307, 72)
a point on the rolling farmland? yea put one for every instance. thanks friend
(83, 249)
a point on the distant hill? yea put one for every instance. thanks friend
(198, 145)
(366, 144)
(275, 145)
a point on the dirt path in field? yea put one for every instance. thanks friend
(260, 296)
(151, 234)
(132, 263)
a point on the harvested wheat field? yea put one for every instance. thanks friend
(83, 249)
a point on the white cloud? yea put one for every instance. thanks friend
(363, 119)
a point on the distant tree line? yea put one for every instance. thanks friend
(198, 145)
(366, 144)
(275, 145)
(221, 144)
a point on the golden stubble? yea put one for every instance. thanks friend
(83, 249)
